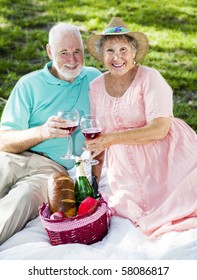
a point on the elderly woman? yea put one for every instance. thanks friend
(151, 156)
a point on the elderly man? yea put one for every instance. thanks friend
(31, 139)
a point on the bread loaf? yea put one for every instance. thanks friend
(61, 194)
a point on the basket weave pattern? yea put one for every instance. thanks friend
(85, 229)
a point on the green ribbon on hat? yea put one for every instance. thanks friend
(116, 29)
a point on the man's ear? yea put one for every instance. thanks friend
(48, 48)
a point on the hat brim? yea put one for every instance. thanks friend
(141, 39)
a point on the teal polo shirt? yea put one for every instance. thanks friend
(39, 95)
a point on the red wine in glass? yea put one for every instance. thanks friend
(70, 128)
(91, 133)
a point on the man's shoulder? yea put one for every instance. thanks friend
(92, 71)
(32, 75)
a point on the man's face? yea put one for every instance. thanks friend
(67, 55)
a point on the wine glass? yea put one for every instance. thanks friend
(72, 120)
(91, 127)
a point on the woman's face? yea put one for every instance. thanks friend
(118, 55)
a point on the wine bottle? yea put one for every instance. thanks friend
(95, 186)
(82, 184)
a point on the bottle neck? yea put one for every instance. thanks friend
(80, 172)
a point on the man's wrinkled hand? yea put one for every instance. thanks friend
(55, 127)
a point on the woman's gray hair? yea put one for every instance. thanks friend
(99, 44)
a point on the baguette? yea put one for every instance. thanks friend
(61, 194)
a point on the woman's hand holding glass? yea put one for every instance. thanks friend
(91, 127)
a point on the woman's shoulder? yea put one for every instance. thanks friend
(149, 73)
(147, 70)
(153, 76)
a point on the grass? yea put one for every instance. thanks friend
(169, 25)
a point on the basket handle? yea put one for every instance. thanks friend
(44, 210)
(109, 210)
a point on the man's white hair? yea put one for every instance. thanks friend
(59, 29)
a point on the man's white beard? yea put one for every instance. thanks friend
(68, 74)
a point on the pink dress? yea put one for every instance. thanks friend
(153, 185)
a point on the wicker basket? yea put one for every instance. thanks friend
(86, 229)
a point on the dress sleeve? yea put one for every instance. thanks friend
(93, 95)
(157, 96)
(97, 95)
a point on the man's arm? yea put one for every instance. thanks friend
(18, 141)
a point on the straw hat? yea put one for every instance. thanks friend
(118, 27)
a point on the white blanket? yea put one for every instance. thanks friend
(123, 242)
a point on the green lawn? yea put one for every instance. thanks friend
(169, 25)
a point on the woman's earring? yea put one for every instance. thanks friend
(134, 61)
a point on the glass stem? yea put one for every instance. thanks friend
(69, 151)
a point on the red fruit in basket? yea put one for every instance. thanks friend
(57, 216)
(87, 205)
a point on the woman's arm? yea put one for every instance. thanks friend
(155, 130)
(97, 169)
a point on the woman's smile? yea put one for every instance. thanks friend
(118, 65)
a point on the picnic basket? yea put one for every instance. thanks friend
(86, 229)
